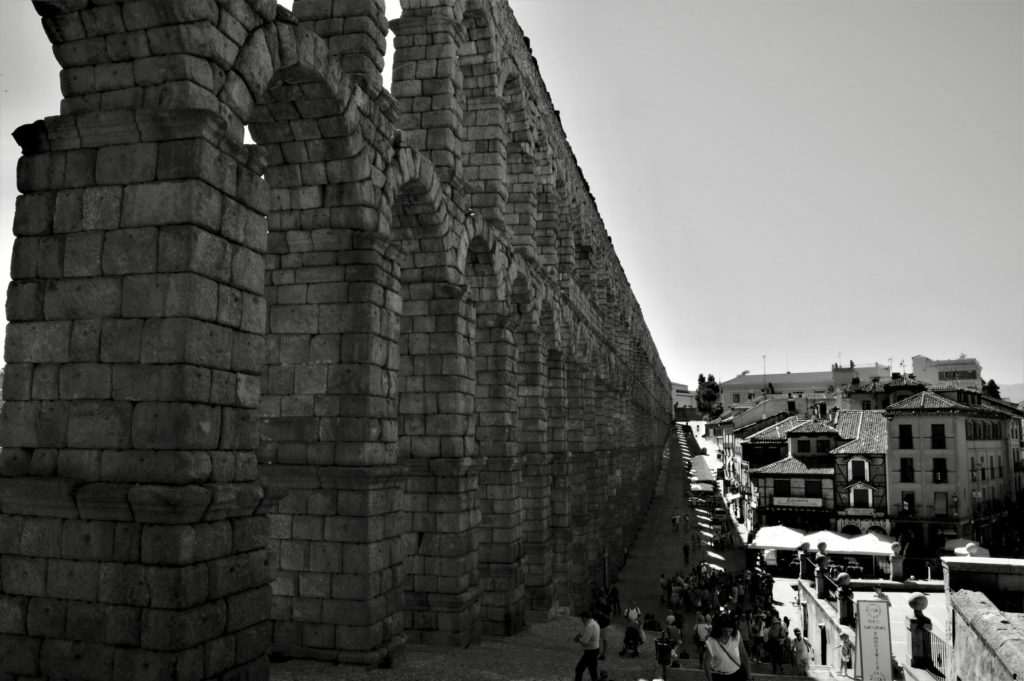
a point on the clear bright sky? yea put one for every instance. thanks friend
(812, 181)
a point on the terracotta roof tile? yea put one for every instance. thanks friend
(792, 466)
(813, 427)
(777, 431)
(871, 435)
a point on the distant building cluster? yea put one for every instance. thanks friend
(858, 449)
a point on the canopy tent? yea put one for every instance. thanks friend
(972, 550)
(834, 543)
(869, 544)
(777, 537)
(957, 543)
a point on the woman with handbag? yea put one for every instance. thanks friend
(726, 658)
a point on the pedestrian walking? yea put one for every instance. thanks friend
(802, 653)
(590, 639)
(845, 648)
(675, 521)
(726, 659)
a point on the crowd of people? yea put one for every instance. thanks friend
(723, 619)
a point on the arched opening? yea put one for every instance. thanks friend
(436, 424)
(502, 570)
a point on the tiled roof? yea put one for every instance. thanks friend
(792, 466)
(904, 381)
(777, 431)
(869, 388)
(926, 401)
(813, 427)
(867, 429)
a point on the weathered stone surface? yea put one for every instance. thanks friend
(413, 348)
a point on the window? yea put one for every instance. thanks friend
(865, 404)
(858, 471)
(909, 507)
(938, 436)
(974, 471)
(861, 498)
(791, 406)
(906, 437)
(750, 396)
(781, 488)
(735, 398)
(824, 446)
(906, 470)
(939, 473)
(941, 504)
(812, 489)
(803, 446)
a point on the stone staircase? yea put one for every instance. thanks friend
(690, 671)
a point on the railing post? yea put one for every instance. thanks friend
(919, 627)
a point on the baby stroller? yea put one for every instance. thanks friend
(631, 641)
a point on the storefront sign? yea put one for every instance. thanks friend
(859, 511)
(803, 502)
(874, 645)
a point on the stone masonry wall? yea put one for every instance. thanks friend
(375, 377)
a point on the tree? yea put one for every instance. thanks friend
(708, 396)
(991, 389)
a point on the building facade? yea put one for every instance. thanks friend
(952, 454)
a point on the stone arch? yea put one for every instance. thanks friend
(502, 571)
(485, 143)
(436, 424)
(412, 203)
(328, 438)
(520, 206)
(549, 207)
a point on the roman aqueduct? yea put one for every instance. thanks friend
(376, 377)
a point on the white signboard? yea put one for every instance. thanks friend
(874, 646)
(807, 502)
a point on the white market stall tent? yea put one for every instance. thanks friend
(777, 537)
(871, 544)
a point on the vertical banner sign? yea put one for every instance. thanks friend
(874, 647)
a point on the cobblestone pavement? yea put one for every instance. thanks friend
(546, 650)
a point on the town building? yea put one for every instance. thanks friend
(953, 468)
(963, 372)
(684, 402)
(832, 476)
(748, 389)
